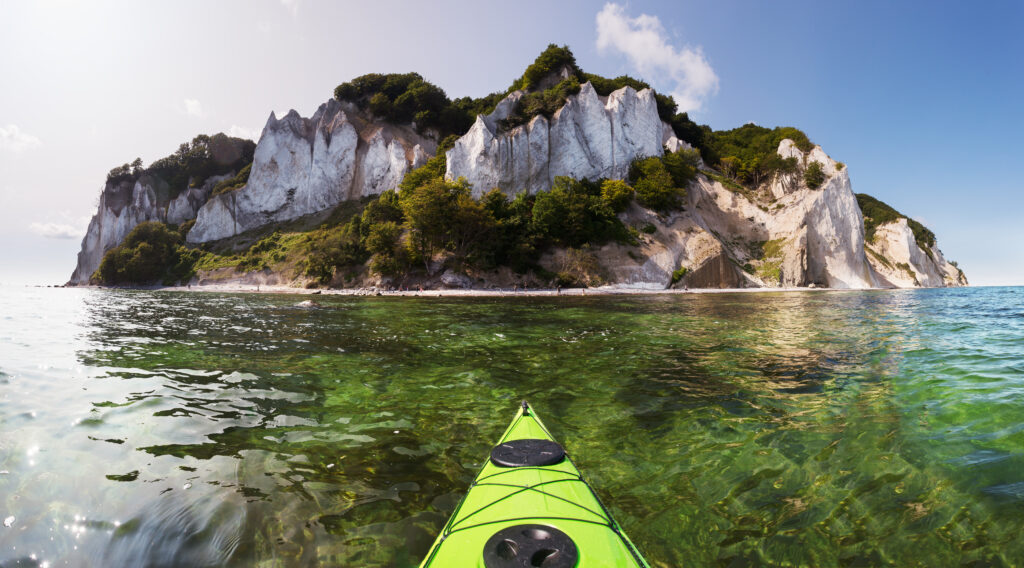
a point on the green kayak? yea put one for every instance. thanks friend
(530, 506)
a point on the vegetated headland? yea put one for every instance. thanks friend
(564, 179)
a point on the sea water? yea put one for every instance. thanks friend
(822, 428)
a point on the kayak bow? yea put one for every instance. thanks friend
(530, 506)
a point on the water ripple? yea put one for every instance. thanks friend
(164, 429)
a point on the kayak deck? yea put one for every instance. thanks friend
(551, 496)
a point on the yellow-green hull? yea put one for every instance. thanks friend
(553, 496)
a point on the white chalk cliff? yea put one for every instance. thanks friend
(780, 234)
(785, 235)
(590, 137)
(307, 165)
(901, 262)
(124, 205)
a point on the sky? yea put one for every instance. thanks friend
(921, 100)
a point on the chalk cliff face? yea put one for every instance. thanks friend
(791, 236)
(780, 234)
(788, 236)
(590, 137)
(307, 165)
(901, 262)
(126, 204)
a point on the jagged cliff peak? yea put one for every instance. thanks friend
(306, 165)
(590, 136)
(902, 251)
(764, 207)
(171, 190)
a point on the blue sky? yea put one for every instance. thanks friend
(921, 100)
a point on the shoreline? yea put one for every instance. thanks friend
(472, 292)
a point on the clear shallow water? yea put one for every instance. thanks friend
(174, 429)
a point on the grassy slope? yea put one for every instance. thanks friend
(280, 247)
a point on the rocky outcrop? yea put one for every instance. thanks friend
(307, 165)
(124, 205)
(590, 137)
(901, 262)
(782, 234)
(826, 223)
(786, 235)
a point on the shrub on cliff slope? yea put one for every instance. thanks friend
(151, 253)
(545, 103)
(192, 164)
(814, 176)
(660, 183)
(330, 248)
(434, 168)
(877, 213)
(749, 154)
(439, 219)
(402, 98)
(574, 213)
(237, 182)
(654, 186)
(617, 194)
(551, 60)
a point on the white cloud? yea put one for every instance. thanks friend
(194, 108)
(66, 226)
(243, 132)
(56, 230)
(644, 41)
(14, 140)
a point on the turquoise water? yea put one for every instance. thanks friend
(174, 429)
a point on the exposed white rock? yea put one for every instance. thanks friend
(590, 137)
(783, 234)
(821, 231)
(799, 237)
(901, 262)
(304, 166)
(835, 233)
(818, 234)
(123, 206)
(678, 241)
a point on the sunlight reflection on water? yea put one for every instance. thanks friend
(174, 429)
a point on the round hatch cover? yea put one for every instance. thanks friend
(527, 453)
(526, 546)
